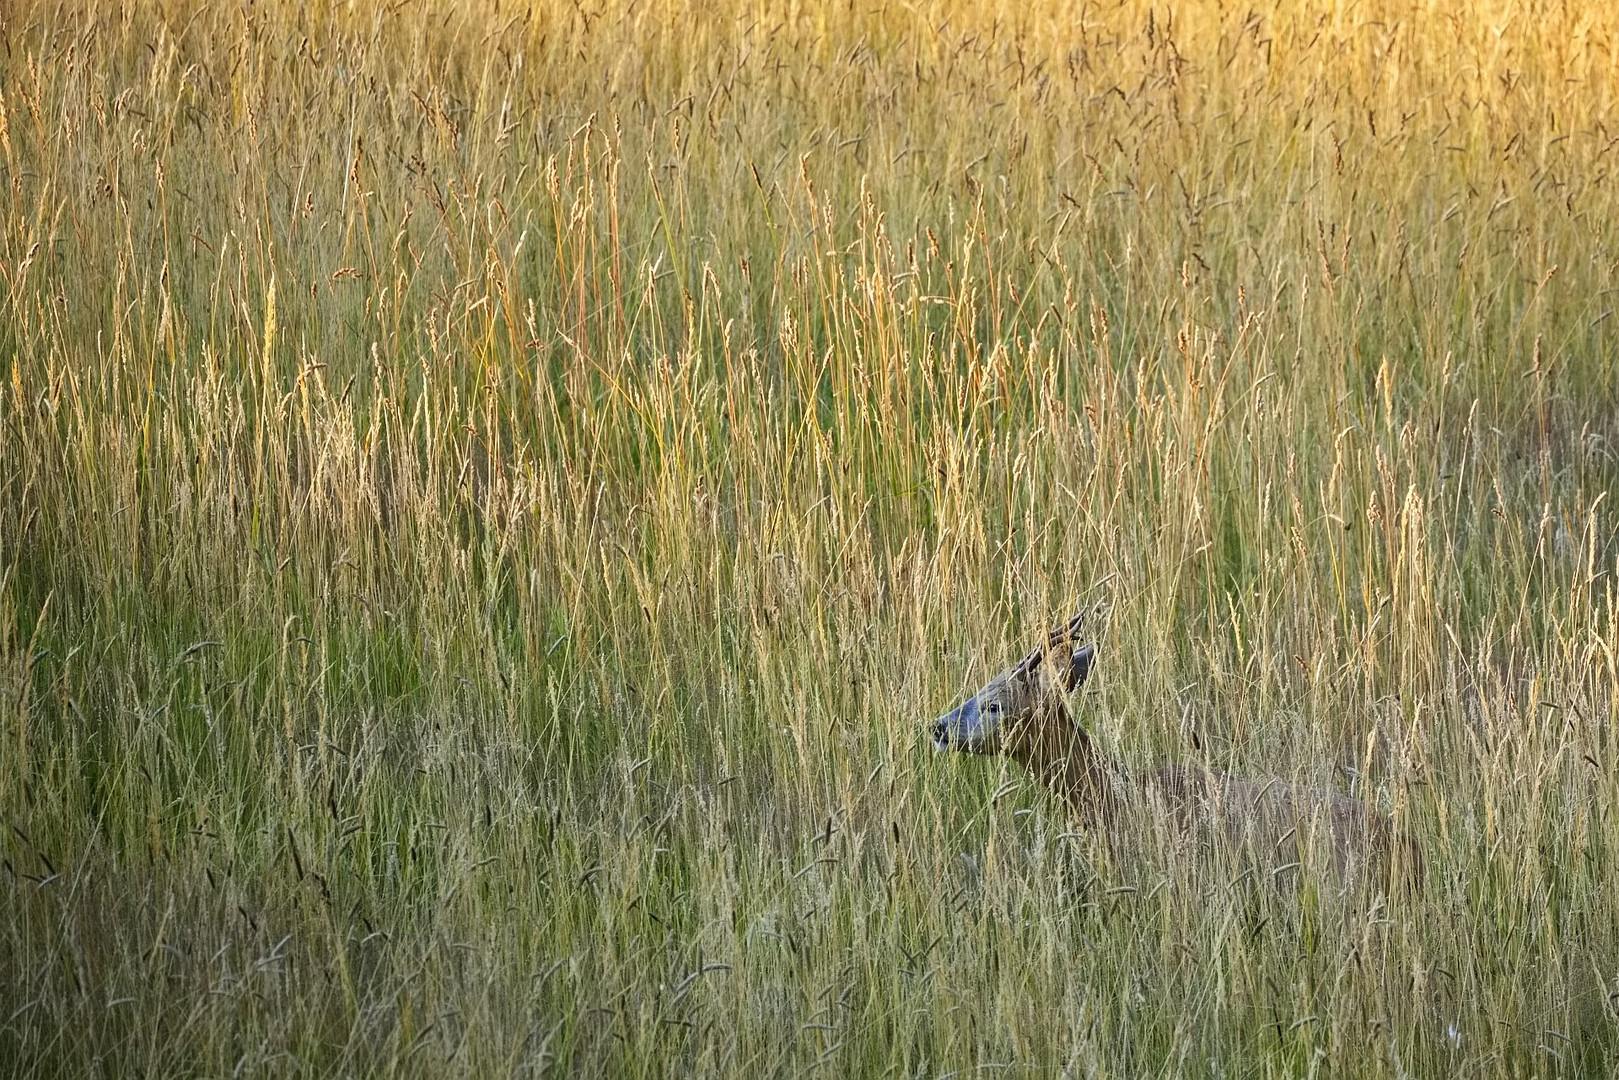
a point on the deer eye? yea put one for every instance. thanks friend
(993, 707)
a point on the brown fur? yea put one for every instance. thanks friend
(1271, 824)
(1262, 824)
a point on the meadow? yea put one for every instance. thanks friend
(492, 496)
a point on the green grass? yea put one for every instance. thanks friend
(490, 500)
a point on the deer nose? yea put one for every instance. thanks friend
(941, 734)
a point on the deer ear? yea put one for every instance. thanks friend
(1029, 663)
(1079, 666)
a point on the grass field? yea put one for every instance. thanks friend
(491, 498)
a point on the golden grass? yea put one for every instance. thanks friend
(489, 499)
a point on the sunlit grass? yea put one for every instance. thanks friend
(491, 498)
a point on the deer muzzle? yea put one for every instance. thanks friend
(962, 728)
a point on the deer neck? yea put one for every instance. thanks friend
(1059, 753)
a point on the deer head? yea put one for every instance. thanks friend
(1000, 716)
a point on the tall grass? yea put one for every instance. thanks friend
(490, 497)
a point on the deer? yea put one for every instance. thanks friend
(1022, 713)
